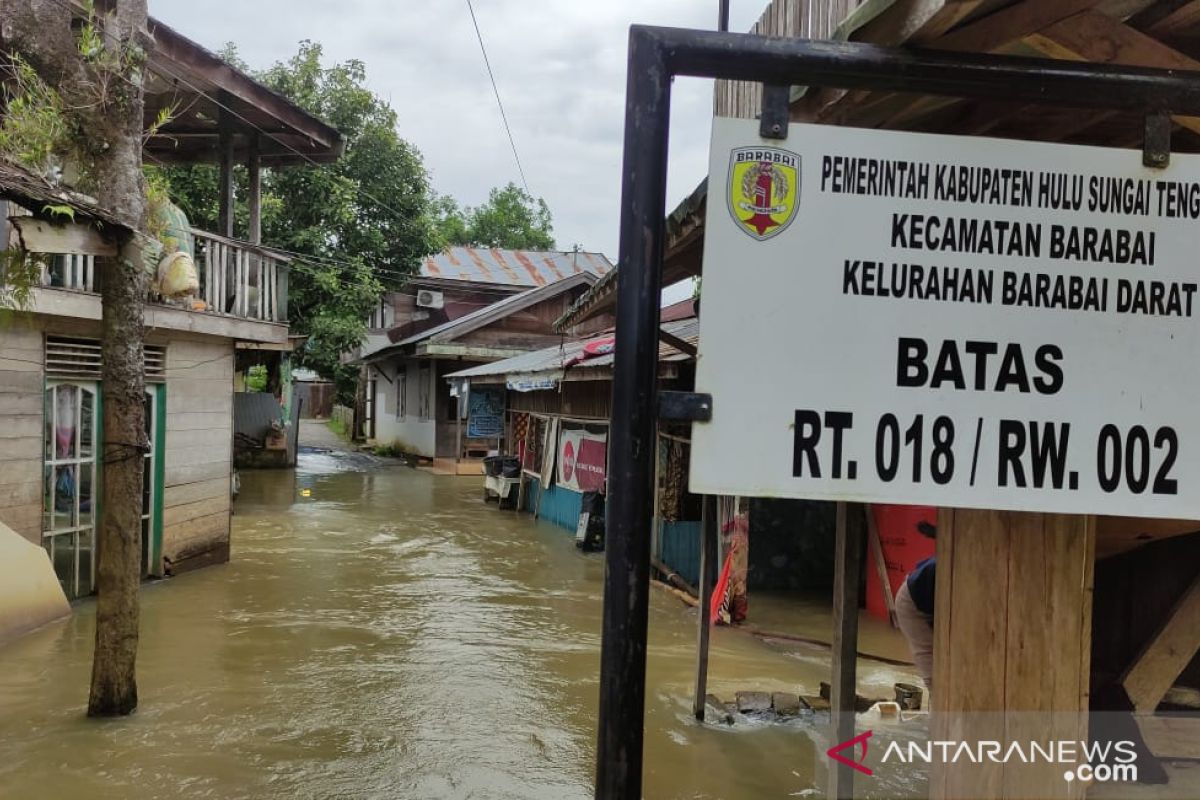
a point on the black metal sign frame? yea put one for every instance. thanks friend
(656, 56)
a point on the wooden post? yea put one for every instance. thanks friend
(847, 581)
(225, 175)
(254, 199)
(708, 558)
(876, 547)
(1012, 633)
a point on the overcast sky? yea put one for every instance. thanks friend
(560, 66)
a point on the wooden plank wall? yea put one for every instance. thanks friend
(808, 19)
(585, 399)
(22, 396)
(196, 497)
(1013, 625)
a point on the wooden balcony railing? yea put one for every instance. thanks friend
(241, 279)
(237, 279)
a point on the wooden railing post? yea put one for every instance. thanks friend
(230, 269)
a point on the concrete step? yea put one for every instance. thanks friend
(464, 466)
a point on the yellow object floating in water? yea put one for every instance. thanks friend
(306, 492)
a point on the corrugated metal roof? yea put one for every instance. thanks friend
(549, 362)
(512, 267)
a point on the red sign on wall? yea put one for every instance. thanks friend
(582, 457)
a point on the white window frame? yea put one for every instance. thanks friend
(52, 463)
(149, 517)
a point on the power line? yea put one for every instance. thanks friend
(496, 90)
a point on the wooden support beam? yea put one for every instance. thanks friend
(1167, 654)
(1095, 37)
(254, 199)
(912, 22)
(876, 547)
(1165, 19)
(847, 582)
(915, 21)
(39, 236)
(990, 34)
(708, 560)
(1009, 25)
(1012, 633)
(225, 176)
(1171, 736)
(682, 345)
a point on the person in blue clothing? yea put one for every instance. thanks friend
(914, 611)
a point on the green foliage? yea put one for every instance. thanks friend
(511, 219)
(389, 450)
(19, 273)
(338, 428)
(45, 135)
(115, 66)
(33, 128)
(90, 34)
(60, 210)
(256, 378)
(158, 198)
(364, 222)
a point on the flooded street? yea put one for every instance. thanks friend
(381, 632)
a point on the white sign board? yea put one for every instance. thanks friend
(950, 321)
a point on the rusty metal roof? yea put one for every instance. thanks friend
(525, 268)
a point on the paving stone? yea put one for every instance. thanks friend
(785, 704)
(817, 703)
(753, 701)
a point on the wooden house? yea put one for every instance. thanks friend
(466, 307)
(559, 396)
(50, 391)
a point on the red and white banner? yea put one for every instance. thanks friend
(582, 457)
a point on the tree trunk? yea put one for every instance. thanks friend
(119, 185)
(103, 98)
(119, 549)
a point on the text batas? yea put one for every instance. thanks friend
(935, 320)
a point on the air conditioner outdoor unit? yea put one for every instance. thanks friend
(430, 299)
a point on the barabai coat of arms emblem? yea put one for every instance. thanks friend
(764, 190)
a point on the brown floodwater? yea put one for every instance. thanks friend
(382, 633)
